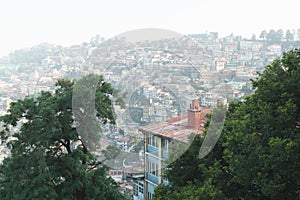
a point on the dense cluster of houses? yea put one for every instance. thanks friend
(161, 79)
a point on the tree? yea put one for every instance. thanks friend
(96, 40)
(49, 159)
(185, 172)
(279, 35)
(253, 37)
(271, 35)
(214, 35)
(263, 35)
(193, 177)
(298, 34)
(275, 36)
(190, 191)
(289, 36)
(238, 38)
(263, 136)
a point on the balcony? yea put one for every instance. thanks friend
(153, 150)
(152, 178)
(165, 154)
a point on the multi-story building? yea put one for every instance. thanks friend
(159, 137)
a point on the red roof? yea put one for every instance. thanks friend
(176, 119)
(124, 139)
(176, 128)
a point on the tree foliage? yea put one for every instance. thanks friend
(49, 159)
(263, 35)
(289, 36)
(257, 155)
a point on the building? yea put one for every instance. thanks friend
(275, 49)
(158, 138)
(138, 189)
(117, 175)
(220, 63)
(248, 45)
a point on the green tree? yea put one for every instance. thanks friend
(49, 159)
(179, 160)
(214, 35)
(271, 35)
(263, 35)
(96, 40)
(275, 36)
(193, 177)
(279, 35)
(289, 36)
(298, 34)
(263, 136)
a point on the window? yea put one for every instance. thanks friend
(155, 143)
(138, 188)
(165, 144)
(152, 140)
(150, 195)
(152, 168)
(141, 190)
(135, 191)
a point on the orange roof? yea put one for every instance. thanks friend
(176, 128)
(176, 119)
(124, 139)
(179, 133)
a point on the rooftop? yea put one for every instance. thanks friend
(176, 128)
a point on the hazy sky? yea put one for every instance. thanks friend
(25, 23)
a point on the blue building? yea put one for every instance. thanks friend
(158, 138)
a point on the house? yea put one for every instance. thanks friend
(220, 63)
(158, 138)
(275, 49)
(123, 143)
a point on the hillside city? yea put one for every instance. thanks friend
(159, 79)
